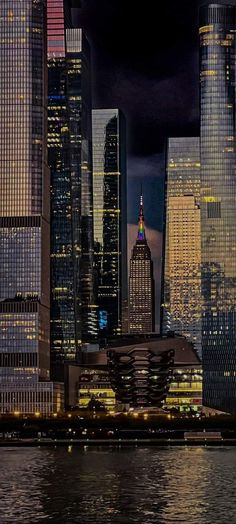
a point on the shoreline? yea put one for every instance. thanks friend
(117, 442)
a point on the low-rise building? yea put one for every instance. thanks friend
(94, 384)
(43, 398)
(184, 391)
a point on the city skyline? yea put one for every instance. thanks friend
(72, 205)
(155, 82)
(117, 261)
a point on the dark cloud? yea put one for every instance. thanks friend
(145, 61)
(138, 167)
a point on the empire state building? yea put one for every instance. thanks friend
(141, 283)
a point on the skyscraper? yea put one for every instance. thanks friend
(65, 323)
(110, 216)
(141, 283)
(182, 268)
(24, 211)
(218, 204)
(80, 115)
(73, 309)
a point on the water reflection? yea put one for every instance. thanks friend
(126, 485)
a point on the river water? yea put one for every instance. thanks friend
(119, 486)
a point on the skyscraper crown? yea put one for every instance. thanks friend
(141, 230)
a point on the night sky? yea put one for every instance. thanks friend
(146, 63)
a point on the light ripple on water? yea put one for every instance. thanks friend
(116, 486)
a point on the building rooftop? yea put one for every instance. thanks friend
(184, 350)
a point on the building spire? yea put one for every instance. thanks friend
(141, 230)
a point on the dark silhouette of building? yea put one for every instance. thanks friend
(140, 377)
(141, 283)
(73, 309)
(110, 217)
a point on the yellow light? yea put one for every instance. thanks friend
(205, 29)
(69, 415)
(209, 72)
(37, 414)
(55, 414)
(211, 199)
(135, 415)
(145, 416)
(16, 413)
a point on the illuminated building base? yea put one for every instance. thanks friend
(41, 398)
(184, 396)
(95, 385)
(185, 393)
(139, 362)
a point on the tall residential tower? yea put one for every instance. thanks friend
(218, 204)
(182, 249)
(141, 283)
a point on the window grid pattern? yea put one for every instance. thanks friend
(141, 284)
(21, 107)
(43, 399)
(56, 28)
(182, 269)
(65, 213)
(24, 199)
(218, 204)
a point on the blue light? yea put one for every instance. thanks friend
(56, 97)
(103, 320)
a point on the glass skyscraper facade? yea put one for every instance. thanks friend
(218, 204)
(182, 267)
(73, 309)
(65, 333)
(110, 216)
(24, 209)
(141, 283)
(80, 85)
